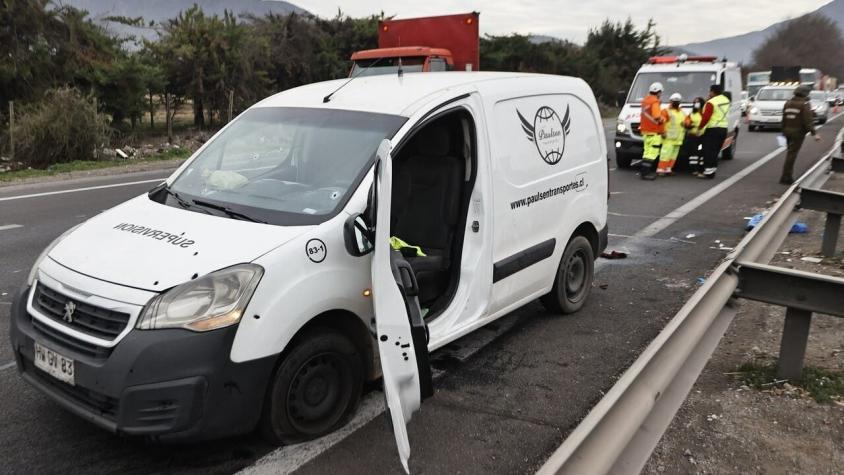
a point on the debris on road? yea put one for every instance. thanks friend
(690, 236)
(813, 260)
(614, 255)
(799, 228)
(754, 221)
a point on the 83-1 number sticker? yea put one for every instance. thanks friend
(315, 249)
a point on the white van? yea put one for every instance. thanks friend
(690, 76)
(257, 286)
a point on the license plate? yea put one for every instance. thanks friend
(54, 364)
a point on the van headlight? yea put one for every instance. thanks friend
(620, 127)
(215, 300)
(754, 110)
(33, 273)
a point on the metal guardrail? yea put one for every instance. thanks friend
(620, 432)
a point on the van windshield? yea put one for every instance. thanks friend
(283, 165)
(689, 84)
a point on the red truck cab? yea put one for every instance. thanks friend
(428, 44)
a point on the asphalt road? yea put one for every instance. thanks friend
(502, 409)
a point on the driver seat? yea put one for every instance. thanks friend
(426, 198)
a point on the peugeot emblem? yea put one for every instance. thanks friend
(69, 308)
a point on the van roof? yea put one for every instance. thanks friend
(391, 94)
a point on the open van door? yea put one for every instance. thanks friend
(402, 332)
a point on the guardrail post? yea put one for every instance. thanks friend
(795, 335)
(830, 234)
(838, 163)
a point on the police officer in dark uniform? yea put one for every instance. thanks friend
(797, 121)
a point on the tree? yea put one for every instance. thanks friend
(613, 54)
(812, 40)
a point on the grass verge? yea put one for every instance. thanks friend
(85, 165)
(821, 384)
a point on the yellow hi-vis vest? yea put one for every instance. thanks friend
(694, 123)
(674, 130)
(720, 109)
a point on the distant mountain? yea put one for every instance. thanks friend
(159, 11)
(740, 48)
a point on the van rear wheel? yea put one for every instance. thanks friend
(314, 390)
(574, 278)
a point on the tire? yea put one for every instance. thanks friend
(315, 389)
(730, 152)
(751, 128)
(573, 281)
(822, 121)
(623, 160)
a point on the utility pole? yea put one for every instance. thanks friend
(151, 112)
(231, 104)
(12, 130)
(96, 124)
(167, 117)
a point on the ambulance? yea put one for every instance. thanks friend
(690, 76)
(324, 238)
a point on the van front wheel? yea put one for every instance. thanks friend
(574, 278)
(314, 390)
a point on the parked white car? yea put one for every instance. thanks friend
(766, 109)
(257, 287)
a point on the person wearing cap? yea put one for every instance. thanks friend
(797, 121)
(675, 120)
(651, 128)
(713, 122)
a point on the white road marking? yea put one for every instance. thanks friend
(10, 226)
(75, 190)
(7, 366)
(290, 458)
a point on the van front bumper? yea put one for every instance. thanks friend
(172, 384)
(628, 145)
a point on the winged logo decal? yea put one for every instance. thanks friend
(548, 132)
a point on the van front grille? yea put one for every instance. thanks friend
(86, 318)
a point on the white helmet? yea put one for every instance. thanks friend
(676, 97)
(656, 87)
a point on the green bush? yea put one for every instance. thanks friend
(62, 127)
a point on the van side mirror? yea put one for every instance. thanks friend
(358, 236)
(752, 98)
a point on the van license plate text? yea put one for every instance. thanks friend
(54, 364)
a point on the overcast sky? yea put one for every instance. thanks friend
(678, 21)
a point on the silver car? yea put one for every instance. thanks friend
(820, 106)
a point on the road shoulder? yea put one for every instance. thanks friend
(116, 171)
(726, 426)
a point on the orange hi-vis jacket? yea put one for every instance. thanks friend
(651, 106)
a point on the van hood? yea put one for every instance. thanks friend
(151, 246)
